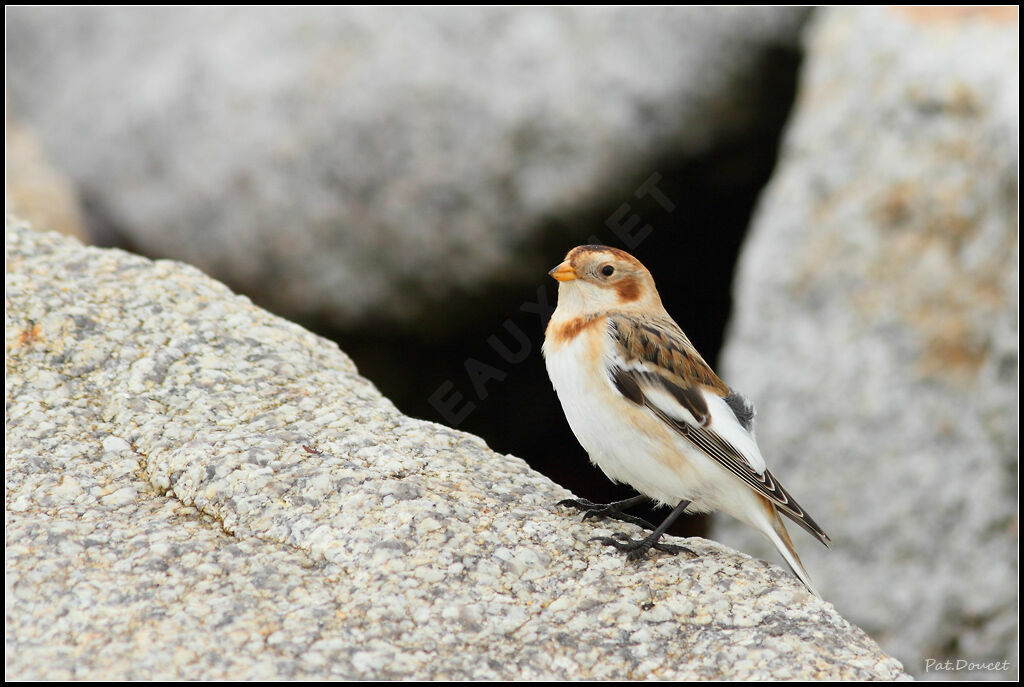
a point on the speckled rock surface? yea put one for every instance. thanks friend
(877, 328)
(164, 520)
(378, 161)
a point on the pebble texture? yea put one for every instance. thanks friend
(165, 520)
(876, 328)
(380, 162)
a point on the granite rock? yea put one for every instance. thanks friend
(196, 489)
(876, 327)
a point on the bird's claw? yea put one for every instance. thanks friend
(577, 503)
(635, 549)
(605, 510)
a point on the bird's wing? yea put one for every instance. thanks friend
(653, 364)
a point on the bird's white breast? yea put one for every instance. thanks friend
(626, 441)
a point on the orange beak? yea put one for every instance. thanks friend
(564, 272)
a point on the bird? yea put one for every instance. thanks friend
(651, 413)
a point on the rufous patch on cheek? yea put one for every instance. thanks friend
(567, 331)
(628, 290)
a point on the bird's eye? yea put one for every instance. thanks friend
(607, 270)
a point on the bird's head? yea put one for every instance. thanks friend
(600, 278)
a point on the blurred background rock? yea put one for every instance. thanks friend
(402, 179)
(877, 325)
(34, 189)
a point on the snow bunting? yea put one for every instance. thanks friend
(651, 413)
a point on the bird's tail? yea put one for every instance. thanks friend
(776, 532)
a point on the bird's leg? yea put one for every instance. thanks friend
(636, 548)
(609, 510)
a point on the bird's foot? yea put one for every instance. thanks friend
(636, 548)
(608, 510)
